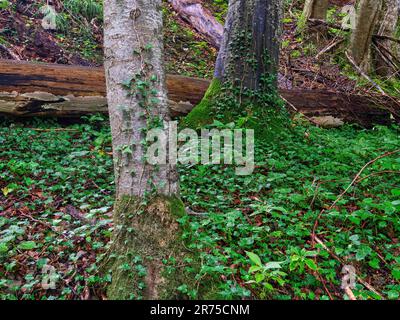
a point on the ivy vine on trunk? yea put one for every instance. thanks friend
(147, 258)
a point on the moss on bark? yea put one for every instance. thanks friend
(148, 258)
(202, 114)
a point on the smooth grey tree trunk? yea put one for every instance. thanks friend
(361, 38)
(130, 26)
(315, 9)
(146, 207)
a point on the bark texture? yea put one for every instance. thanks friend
(130, 26)
(361, 38)
(200, 19)
(64, 80)
(351, 109)
(250, 48)
(315, 9)
(388, 60)
(145, 229)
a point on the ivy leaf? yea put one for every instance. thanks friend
(254, 258)
(259, 277)
(311, 264)
(396, 273)
(396, 192)
(27, 245)
(273, 265)
(254, 269)
(3, 247)
(153, 78)
(363, 252)
(126, 83)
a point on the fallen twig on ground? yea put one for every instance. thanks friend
(9, 52)
(329, 47)
(364, 283)
(314, 237)
(362, 73)
(359, 174)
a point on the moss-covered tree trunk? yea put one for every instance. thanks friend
(361, 38)
(248, 55)
(146, 237)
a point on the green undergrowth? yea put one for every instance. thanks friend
(186, 53)
(261, 110)
(255, 239)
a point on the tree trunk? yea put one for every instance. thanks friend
(146, 233)
(386, 64)
(358, 109)
(315, 9)
(361, 38)
(250, 48)
(248, 57)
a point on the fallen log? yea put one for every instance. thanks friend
(359, 109)
(32, 89)
(64, 80)
(200, 19)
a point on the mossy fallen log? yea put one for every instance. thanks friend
(33, 89)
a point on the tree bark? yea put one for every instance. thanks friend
(200, 19)
(315, 9)
(247, 61)
(250, 48)
(65, 80)
(361, 38)
(147, 203)
(385, 64)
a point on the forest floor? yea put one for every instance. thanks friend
(56, 184)
(57, 194)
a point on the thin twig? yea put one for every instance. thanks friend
(364, 283)
(329, 47)
(339, 27)
(313, 234)
(10, 52)
(362, 73)
(377, 174)
(54, 129)
(190, 212)
(386, 38)
(350, 293)
(359, 174)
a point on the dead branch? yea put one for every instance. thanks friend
(364, 283)
(387, 154)
(362, 73)
(339, 27)
(329, 47)
(12, 54)
(382, 37)
(200, 19)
